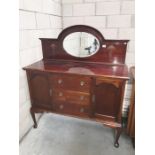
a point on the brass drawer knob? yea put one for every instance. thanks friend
(61, 106)
(82, 110)
(60, 94)
(82, 83)
(81, 97)
(59, 81)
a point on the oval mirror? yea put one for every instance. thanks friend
(81, 44)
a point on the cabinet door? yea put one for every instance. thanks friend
(108, 97)
(39, 89)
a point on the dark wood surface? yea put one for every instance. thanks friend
(88, 88)
(80, 68)
(110, 51)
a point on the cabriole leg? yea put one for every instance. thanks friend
(118, 133)
(34, 119)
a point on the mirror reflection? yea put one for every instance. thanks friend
(81, 44)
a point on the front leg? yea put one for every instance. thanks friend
(118, 133)
(33, 117)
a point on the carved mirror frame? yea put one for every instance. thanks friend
(110, 51)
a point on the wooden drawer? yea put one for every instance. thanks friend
(73, 97)
(70, 82)
(73, 109)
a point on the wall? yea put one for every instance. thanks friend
(37, 18)
(113, 18)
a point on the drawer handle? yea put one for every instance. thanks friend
(93, 98)
(60, 94)
(82, 110)
(82, 83)
(81, 97)
(50, 92)
(61, 106)
(59, 81)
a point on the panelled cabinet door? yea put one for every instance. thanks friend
(39, 89)
(108, 97)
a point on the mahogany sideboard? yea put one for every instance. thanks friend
(87, 87)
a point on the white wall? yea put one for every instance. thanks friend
(38, 18)
(113, 18)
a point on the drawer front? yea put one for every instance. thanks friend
(73, 97)
(70, 82)
(73, 109)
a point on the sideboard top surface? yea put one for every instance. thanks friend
(80, 68)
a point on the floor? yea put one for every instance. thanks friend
(61, 135)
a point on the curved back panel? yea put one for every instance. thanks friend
(110, 51)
